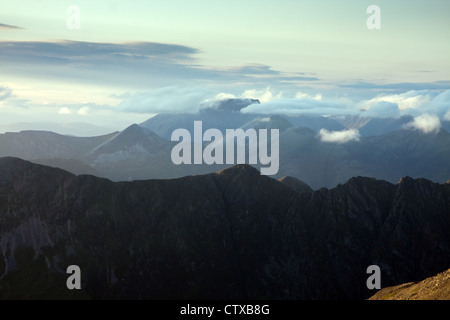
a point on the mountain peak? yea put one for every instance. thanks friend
(239, 170)
(134, 128)
(296, 184)
(406, 179)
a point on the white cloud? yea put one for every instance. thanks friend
(426, 123)
(302, 95)
(171, 99)
(303, 106)
(64, 110)
(224, 96)
(339, 136)
(265, 95)
(413, 103)
(447, 115)
(83, 111)
(408, 100)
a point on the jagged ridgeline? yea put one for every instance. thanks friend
(231, 234)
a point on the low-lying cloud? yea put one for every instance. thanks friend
(172, 99)
(343, 136)
(312, 105)
(414, 103)
(425, 123)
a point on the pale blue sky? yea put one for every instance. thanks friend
(281, 47)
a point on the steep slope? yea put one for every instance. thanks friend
(131, 143)
(231, 234)
(432, 288)
(296, 184)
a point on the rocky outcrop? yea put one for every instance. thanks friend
(433, 288)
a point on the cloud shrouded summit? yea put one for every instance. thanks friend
(426, 123)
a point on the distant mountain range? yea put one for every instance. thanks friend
(385, 149)
(234, 234)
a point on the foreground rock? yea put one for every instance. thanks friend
(433, 288)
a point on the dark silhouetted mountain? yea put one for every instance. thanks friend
(74, 166)
(296, 184)
(233, 234)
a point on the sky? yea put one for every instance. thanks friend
(92, 67)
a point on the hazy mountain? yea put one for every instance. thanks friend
(133, 142)
(388, 157)
(44, 144)
(315, 122)
(222, 115)
(270, 122)
(231, 234)
(137, 153)
(379, 126)
(73, 128)
(385, 149)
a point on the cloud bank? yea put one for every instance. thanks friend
(343, 136)
(425, 123)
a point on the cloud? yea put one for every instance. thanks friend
(402, 86)
(10, 100)
(130, 65)
(426, 123)
(302, 95)
(171, 99)
(5, 92)
(64, 110)
(339, 136)
(383, 109)
(306, 104)
(264, 95)
(83, 111)
(254, 69)
(447, 116)
(412, 103)
(224, 96)
(8, 26)
(407, 100)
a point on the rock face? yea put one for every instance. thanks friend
(232, 234)
(433, 288)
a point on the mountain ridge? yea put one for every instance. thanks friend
(231, 234)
